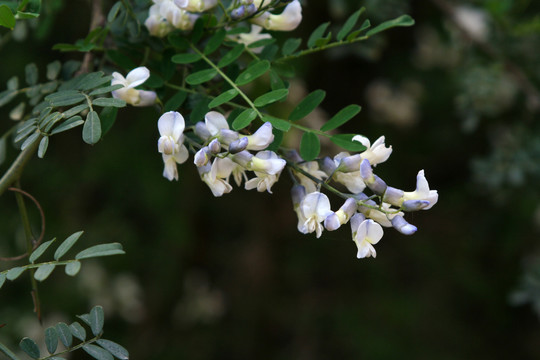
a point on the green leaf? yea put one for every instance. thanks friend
(310, 146)
(279, 124)
(17, 112)
(215, 41)
(252, 72)
(91, 80)
(186, 58)
(111, 16)
(30, 140)
(31, 71)
(117, 350)
(73, 268)
(7, 19)
(345, 141)
(349, 24)
(290, 46)
(244, 119)
(2, 280)
(65, 98)
(223, 98)
(178, 41)
(261, 43)
(278, 139)
(271, 97)
(275, 81)
(92, 128)
(97, 318)
(106, 89)
(85, 318)
(176, 101)
(68, 124)
(341, 117)
(108, 118)
(30, 347)
(3, 148)
(13, 83)
(78, 331)
(403, 20)
(201, 76)
(64, 334)
(97, 353)
(67, 244)
(25, 131)
(43, 272)
(40, 250)
(101, 250)
(307, 105)
(75, 110)
(6, 96)
(231, 56)
(200, 108)
(238, 30)
(51, 339)
(43, 145)
(108, 102)
(317, 34)
(14, 273)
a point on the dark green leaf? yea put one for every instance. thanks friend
(108, 117)
(223, 98)
(14, 273)
(68, 124)
(31, 71)
(323, 41)
(215, 41)
(43, 272)
(198, 30)
(310, 146)
(13, 83)
(67, 244)
(121, 59)
(40, 250)
(27, 130)
(6, 96)
(278, 139)
(51, 339)
(271, 97)
(231, 56)
(109, 102)
(30, 347)
(261, 43)
(201, 76)
(252, 72)
(51, 120)
(345, 141)
(2, 280)
(307, 105)
(200, 108)
(78, 331)
(244, 119)
(92, 128)
(403, 20)
(101, 250)
(275, 81)
(117, 350)
(65, 98)
(349, 24)
(30, 140)
(97, 318)
(341, 117)
(111, 16)
(154, 81)
(73, 268)
(64, 334)
(106, 89)
(176, 101)
(238, 30)
(186, 58)
(93, 80)
(85, 318)
(43, 145)
(290, 46)
(176, 40)
(279, 124)
(53, 69)
(7, 19)
(97, 353)
(75, 110)
(317, 34)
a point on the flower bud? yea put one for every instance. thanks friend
(356, 220)
(414, 205)
(347, 210)
(202, 157)
(242, 158)
(350, 163)
(251, 9)
(238, 145)
(328, 166)
(201, 130)
(331, 222)
(238, 13)
(214, 146)
(298, 193)
(227, 136)
(401, 225)
(393, 196)
(375, 183)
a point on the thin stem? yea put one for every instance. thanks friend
(322, 48)
(35, 266)
(4, 350)
(76, 347)
(15, 170)
(220, 4)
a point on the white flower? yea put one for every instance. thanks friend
(216, 175)
(128, 93)
(298, 193)
(376, 153)
(262, 182)
(170, 144)
(367, 234)
(315, 208)
(267, 162)
(312, 168)
(179, 18)
(381, 217)
(288, 20)
(422, 191)
(195, 5)
(251, 37)
(261, 138)
(157, 24)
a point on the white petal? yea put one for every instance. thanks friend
(167, 122)
(215, 122)
(137, 76)
(362, 139)
(182, 155)
(316, 204)
(118, 79)
(261, 138)
(374, 231)
(146, 98)
(170, 171)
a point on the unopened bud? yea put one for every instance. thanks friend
(202, 131)
(238, 145)
(328, 166)
(331, 222)
(373, 182)
(414, 205)
(227, 136)
(202, 157)
(356, 220)
(251, 9)
(242, 158)
(347, 210)
(401, 225)
(350, 163)
(298, 193)
(214, 146)
(393, 196)
(238, 13)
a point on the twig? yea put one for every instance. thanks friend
(95, 21)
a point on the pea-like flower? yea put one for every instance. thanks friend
(216, 175)
(179, 17)
(288, 20)
(315, 208)
(376, 153)
(251, 37)
(261, 139)
(269, 166)
(366, 233)
(170, 144)
(156, 23)
(195, 5)
(128, 93)
(422, 191)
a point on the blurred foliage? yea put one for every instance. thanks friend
(224, 278)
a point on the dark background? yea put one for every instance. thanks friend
(231, 278)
